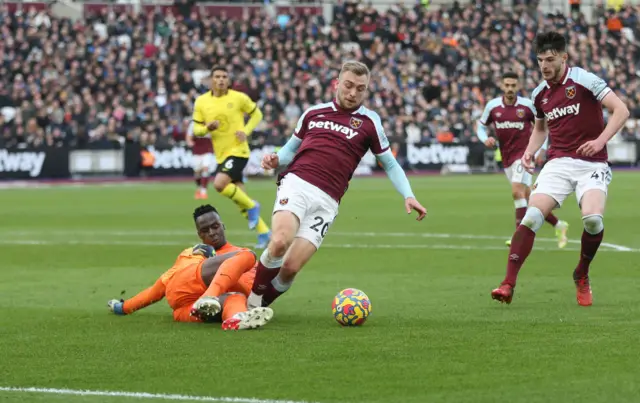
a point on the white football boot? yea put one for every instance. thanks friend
(205, 308)
(252, 319)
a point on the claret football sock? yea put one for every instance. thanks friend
(267, 269)
(521, 245)
(590, 244)
(520, 212)
(204, 182)
(276, 289)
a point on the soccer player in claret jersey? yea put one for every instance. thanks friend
(568, 105)
(202, 151)
(329, 141)
(513, 117)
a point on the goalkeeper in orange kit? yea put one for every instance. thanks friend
(207, 283)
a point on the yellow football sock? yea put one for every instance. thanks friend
(262, 226)
(238, 196)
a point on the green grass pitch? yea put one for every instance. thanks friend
(434, 334)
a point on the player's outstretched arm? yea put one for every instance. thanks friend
(401, 182)
(617, 118)
(289, 150)
(284, 156)
(143, 299)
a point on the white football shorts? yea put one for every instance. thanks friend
(516, 174)
(315, 209)
(202, 162)
(562, 176)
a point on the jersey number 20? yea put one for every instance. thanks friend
(320, 223)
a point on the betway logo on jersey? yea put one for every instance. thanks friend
(510, 125)
(336, 127)
(560, 112)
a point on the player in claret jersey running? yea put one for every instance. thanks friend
(327, 146)
(512, 117)
(568, 105)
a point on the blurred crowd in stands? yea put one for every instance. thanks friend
(114, 77)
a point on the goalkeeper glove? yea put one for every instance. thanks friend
(116, 306)
(203, 250)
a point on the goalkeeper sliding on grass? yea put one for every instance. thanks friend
(207, 283)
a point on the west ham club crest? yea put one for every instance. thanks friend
(355, 123)
(520, 113)
(570, 91)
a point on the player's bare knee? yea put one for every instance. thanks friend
(533, 219)
(219, 186)
(593, 223)
(279, 244)
(519, 194)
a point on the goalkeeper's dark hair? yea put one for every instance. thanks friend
(202, 210)
(219, 67)
(510, 74)
(553, 41)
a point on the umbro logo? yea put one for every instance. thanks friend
(514, 257)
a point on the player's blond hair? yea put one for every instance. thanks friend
(355, 67)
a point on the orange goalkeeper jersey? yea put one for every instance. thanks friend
(182, 283)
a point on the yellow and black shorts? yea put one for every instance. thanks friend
(233, 166)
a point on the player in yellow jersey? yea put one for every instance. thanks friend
(221, 113)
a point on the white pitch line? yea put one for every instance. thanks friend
(160, 233)
(142, 395)
(324, 245)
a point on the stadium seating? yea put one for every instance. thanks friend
(119, 77)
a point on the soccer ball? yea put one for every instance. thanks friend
(351, 307)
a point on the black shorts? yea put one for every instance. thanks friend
(233, 166)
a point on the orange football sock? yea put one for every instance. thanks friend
(233, 304)
(230, 272)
